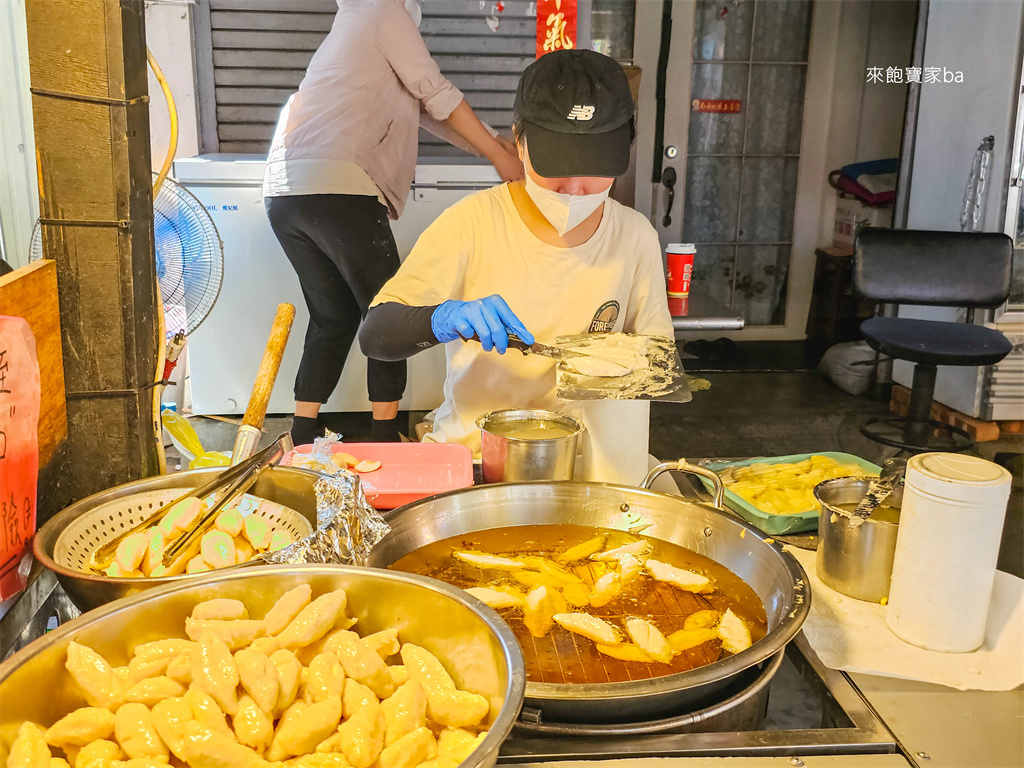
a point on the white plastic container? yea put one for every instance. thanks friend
(951, 524)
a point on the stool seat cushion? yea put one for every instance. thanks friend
(934, 342)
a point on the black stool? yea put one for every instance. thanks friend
(941, 269)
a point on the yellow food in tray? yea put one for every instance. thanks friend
(303, 691)
(785, 488)
(239, 534)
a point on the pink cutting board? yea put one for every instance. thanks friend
(408, 471)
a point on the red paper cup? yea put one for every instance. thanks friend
(678, 306)
(679, 260)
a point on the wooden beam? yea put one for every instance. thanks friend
(87, 62)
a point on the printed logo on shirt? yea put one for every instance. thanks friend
(581, 112)
(605, 318)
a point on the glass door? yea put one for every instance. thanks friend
(748, 77)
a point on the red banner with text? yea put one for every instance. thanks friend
(19, 448)
(556, 25)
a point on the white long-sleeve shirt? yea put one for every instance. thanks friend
(352, 127)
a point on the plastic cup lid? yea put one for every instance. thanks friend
(956, 476)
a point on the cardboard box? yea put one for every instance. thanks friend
(852, 216)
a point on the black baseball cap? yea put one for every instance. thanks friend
(577, 109)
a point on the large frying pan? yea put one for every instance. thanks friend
(776, 577)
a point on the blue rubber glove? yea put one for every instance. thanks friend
(489, 319)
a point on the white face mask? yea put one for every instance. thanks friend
(564, 212)
(414, 9)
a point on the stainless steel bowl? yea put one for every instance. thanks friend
(285, 485)
(854, 560)
(775, 576)
(477, 647)
(507, 459)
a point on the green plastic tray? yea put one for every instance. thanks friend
(766, 521)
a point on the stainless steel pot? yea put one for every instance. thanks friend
(776, 577)
(511, 459)
(476, 645)
(285, 485)
(854, 560)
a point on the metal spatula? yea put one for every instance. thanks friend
(879, 490)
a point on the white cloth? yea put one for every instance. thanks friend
(318, 177)
(361, 97)
(852, 635)
(481, 246)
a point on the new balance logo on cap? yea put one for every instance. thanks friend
(581, 112)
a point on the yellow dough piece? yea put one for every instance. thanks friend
(243, 550)
(679, 577)
(364, 665)
(445, 704)
(496, 599)
(582, 551)
(236, 633)
(133, 727)
(252, 726)
(326, 677)
(206, 748)
(635, 548)
(29, 749)
(288, 671)
(361, 737)
(131, 551)
(152, 690)
(319, 760)
(410, 750)
(385, 642)
(630, 567)
(197, 565)
(257, 531)
(217, 549)
(154, 551)
(591, 627)
(314, 621)
(158, 648)
(93, 675)
(290, 720)
(140, 669)
(206, 711)
(734, 632)
(399, 674)
(287, 607)
(405, 711)
(258, 677)
(355, 697)
(539, 611)
(702, 619)
(317, 722)
(169, 718)
(280, 540)
(180, 668)
(577, 595)
(181, 516)
(458, 743)
(650, 639)
(221, 609)
(80, 727)
(485, 561)
(214, 671)
(684, 639)
(98, 754)
(625, 652)
(606, 589)
(230, 521)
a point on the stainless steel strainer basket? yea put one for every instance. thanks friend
(66, 541)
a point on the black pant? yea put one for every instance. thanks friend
(343, 251)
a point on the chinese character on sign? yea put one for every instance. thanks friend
(556, 25)
(893, 75)
(19, 447)
(874, 74)
(913, 74)
(932, 74)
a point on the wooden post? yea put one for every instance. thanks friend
(90, 107)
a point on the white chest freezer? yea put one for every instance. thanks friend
(224, 352)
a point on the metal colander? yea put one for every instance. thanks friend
(66, 541)
(98, 526)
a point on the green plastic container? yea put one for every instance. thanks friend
(768, 522)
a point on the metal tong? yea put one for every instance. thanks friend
(239, 477)
(879, 490)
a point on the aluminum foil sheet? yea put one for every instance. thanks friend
(347, 526)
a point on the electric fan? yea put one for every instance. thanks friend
(189, 257)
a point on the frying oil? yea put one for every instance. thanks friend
(531, 429)
(883, 514)
(564, 657)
